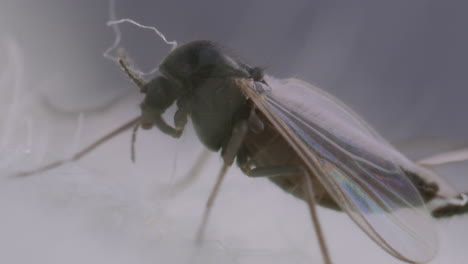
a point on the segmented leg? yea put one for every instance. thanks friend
(209, 204)
(193, 174)
(85, 151)
(285, 171)
(229, 153)
(182, 113)
(309, 190)
(133, 142)
(180, 120)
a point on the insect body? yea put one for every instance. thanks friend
(304, 140)
(299, 136)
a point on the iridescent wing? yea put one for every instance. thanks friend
(357, 167)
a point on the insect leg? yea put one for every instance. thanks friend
(161, 124)
(209, 203)
(192, 174)
(309, 190)
(228, 154)
(133, 142)
(85, 151)
(234, 144)
(180, 120)
(453, 156)
(255, 123)
(285, 170)
(181, 115)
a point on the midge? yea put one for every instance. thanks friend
(304, 140)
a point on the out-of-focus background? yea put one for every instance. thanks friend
(400, 64)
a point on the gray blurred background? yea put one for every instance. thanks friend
(401, 64)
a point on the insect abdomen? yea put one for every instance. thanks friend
(268, 148)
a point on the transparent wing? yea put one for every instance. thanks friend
(357, 167)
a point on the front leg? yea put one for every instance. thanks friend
(164, 127)
(180, 119)
(182, 113)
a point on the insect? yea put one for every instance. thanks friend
(304, 140)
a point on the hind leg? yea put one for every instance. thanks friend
(307, 184)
